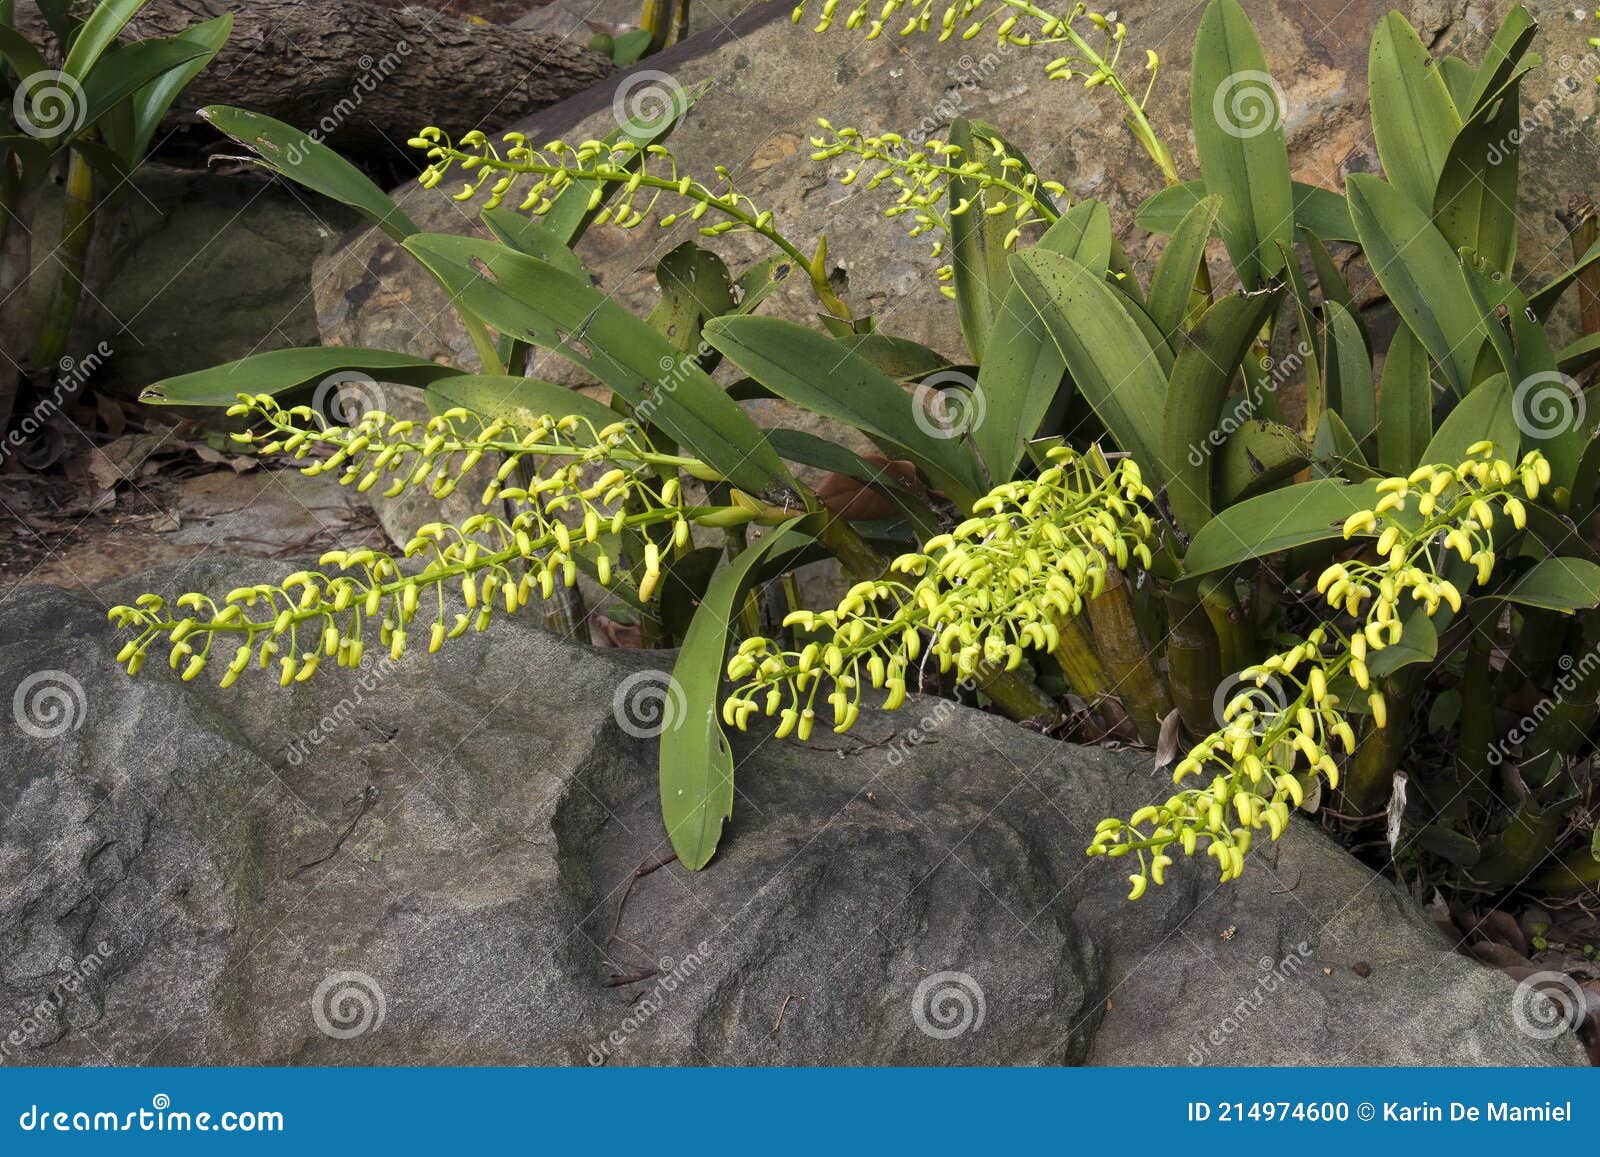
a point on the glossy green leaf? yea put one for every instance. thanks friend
(902, 359)
(1206, 365)
(1414, 121)
(1257, 457)
(1580, 355)
(1501, 59)
(1294, 516)
(127, 68)
(1544, 299)
(25, 59)
(1487, 412)
(1558, 584)
(815, 371)
(292, 153)
(1459, 77)
(1112, 362)
(1336, 450)
(520, 401)
(1180, 263)
(535, 302)
(1238, 133)
(96, 34)
(1320, 210)
(1405, 405)
(696, 772)
(276, 371)
(695, 287)
(1422, 275)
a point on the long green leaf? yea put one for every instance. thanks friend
(127, 68)
(1023, 372)
(1405, 405)
(1174, 278)
(1505, 52)
(276, 371)
(1545, 298)
(1421, 274)
(520, 401)
(1476, 201)
(152, 102)
(1350, 374)
(1486, 413)
(286, 150)
(1323, 211)
(1294, 516)
(811, 369)
(1413, 118)
(525, 298)
(1558, 584)
(1112, 362)
(1238, 133)
(696, 772)
(97, 34)
(1206, 365)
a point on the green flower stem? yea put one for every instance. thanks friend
(1127, 657)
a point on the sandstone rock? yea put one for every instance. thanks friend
(424, 864)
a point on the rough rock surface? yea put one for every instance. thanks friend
(425, 865)
(772, 80)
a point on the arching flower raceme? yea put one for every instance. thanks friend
(1032, 553)
(493, 562)
(1271, 741)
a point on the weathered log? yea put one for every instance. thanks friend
(361, 74)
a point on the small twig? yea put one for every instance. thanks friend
(778, 1024)
(369, 798)
(639, 873)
